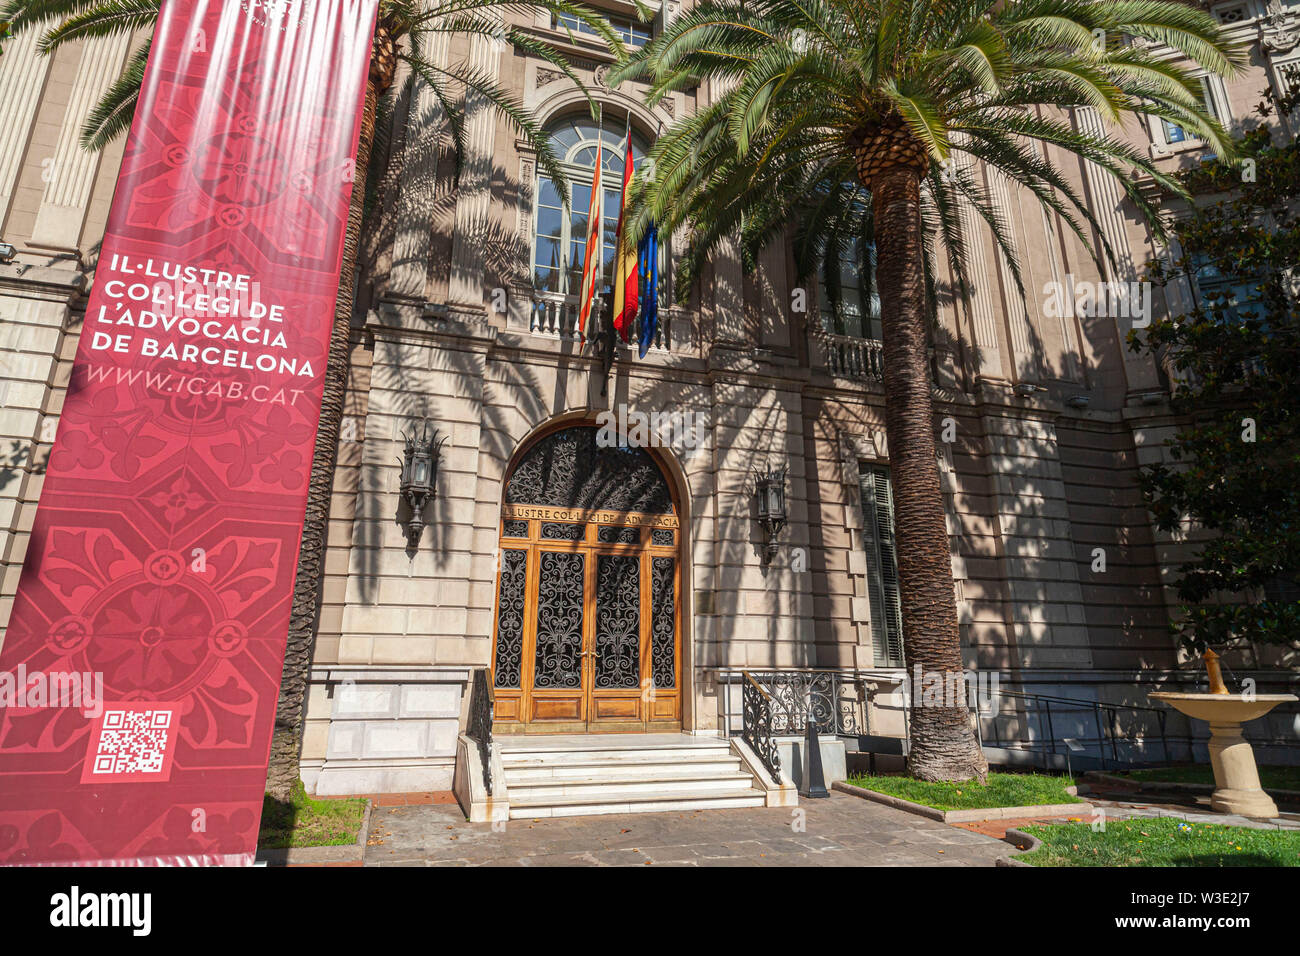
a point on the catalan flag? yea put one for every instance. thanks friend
(625, 270)
(591, 262)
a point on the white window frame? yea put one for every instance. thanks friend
(1219, 105)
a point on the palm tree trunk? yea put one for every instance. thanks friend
(286, 740)
(944, 746)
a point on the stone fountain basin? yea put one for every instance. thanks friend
(1222, 708)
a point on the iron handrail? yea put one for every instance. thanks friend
(756, 725)
(835, 694)
(482, 705)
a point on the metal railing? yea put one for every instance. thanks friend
(1039, 718)
(836, 698)
(1047, 729)
(1081, 730)
(756, 726)
(481, 703)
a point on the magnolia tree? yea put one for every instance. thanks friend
(1235, 356)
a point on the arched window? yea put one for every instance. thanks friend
(560, 240)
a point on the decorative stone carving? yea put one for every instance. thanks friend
(526, 170)
(546, 77)
(1280, 29)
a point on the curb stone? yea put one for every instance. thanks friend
(966, 816)
(1023, 842)
(308, 855)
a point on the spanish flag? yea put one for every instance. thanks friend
(625, 270)
(591, 261)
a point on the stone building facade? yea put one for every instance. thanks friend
(464, 319)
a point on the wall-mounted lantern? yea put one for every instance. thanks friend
(769, 489)
(419, 463)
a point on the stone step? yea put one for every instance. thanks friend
(522, 774)
(552, 758)
(564, 791)
(577, 774)
(643, 801)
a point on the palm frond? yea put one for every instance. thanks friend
(111, 116)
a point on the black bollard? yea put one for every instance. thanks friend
(814, 780)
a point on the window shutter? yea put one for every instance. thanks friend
(882, 564)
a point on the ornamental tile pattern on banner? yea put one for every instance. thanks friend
(165, 544)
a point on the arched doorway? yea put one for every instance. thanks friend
(588, 629)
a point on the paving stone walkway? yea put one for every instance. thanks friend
(839, 831)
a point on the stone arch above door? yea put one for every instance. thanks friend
(568, 468)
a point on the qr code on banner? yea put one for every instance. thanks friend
(133, 742)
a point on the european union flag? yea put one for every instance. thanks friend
(648, 267)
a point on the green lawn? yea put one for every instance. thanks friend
(1165, 841)
(1002, 790)
(305, 821)
(1271, 778)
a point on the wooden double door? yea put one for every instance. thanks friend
(587, 623)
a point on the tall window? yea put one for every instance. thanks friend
(560, 239)
(859, 310)
(882, 564)
(1176, 134)
(1235, 297)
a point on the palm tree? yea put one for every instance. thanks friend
(858, 120)
(402, 32)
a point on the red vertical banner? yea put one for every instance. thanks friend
(141, 666)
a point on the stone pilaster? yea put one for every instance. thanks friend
(22, 80)
(412, 227)
(1024, 354)
(72, 175)
(988, 357)
(1108, 206)
(474, 195)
